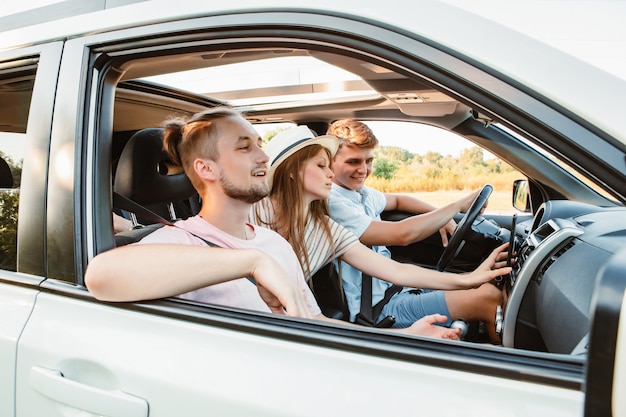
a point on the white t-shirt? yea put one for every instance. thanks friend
(238, 293)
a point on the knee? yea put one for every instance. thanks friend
(491, 294)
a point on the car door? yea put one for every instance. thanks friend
(27, 84)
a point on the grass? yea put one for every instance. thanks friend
(499, 202)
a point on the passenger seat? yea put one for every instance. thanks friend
(145, 175)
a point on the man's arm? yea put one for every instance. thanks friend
(150, 271)
(414, 228)
(407, 203)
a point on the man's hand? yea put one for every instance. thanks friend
(463, 205)
(278, 290)
(426, 326)
(290, 302)
(466, 202)
(446, 230)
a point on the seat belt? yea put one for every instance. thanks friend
(367, 315)
(126, 203)
(131, 206)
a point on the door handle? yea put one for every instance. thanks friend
(54, 385)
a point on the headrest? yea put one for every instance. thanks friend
(6, 178)
(142, 171)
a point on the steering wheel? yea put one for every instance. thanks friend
(456, 242)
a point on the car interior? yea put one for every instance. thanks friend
(560, 240)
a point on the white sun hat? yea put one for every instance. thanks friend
(288, 142)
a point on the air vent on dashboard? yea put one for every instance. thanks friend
(552, 258)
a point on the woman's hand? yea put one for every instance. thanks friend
(491, 268)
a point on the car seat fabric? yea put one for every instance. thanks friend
(144, 177)
(142, 171)
(6, 177)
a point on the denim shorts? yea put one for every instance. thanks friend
(408, 307)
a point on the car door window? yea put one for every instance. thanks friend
(16, 88)
(437, 166)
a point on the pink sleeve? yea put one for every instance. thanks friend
(310, 298)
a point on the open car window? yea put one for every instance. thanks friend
(316, 84)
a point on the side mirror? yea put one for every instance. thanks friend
(521, 198)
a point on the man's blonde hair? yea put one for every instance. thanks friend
(353, 132)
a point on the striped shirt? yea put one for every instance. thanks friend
(319, 249)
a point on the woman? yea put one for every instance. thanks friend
(300, 179)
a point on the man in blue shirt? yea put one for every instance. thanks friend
(358, 208)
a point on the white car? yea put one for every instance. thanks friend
(79, 79)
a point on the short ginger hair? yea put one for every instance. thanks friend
(353, 132)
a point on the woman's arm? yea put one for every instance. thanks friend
(408, 275)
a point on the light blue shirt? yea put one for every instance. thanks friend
(355, 210)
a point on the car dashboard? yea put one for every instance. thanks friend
(548, 294)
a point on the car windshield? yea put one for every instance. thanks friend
(564, 165)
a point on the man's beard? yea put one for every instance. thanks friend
(250, 195)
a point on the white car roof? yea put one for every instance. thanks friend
(576, 85)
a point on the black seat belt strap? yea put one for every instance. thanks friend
(367, 315)
(127, 204)
(389, 292)
(364, 317)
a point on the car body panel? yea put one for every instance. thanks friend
(215, 370)
(16, 304)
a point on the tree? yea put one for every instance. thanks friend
(472, 157)
(384, 168)
(9, 204)
(433, 157)
(8, 229)
(269, 135)
(394, 153)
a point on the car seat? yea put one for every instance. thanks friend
(6, 177)
(329, 293)
(145, 175)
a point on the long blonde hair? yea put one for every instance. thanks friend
(290, 216)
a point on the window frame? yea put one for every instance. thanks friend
(103, 54)
(32, 203)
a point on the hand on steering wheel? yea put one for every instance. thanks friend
(456, 242)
